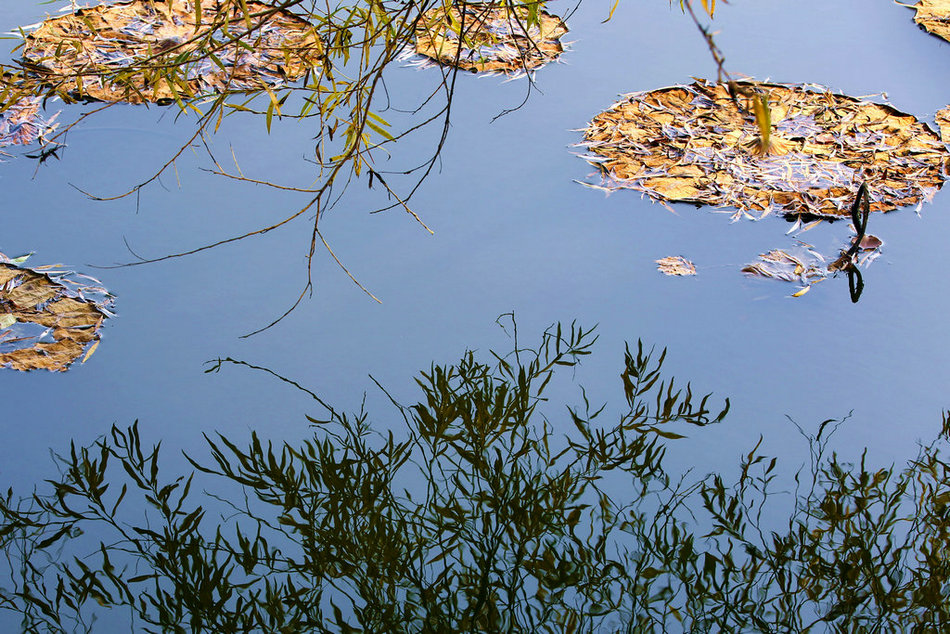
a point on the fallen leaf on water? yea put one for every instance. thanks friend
(692, 144)
(869, 249)
(484, 38)
(88, 51)
(49, 318)
(869, 243)
(676, 265)
(89, 352)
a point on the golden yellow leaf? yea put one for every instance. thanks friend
(89, 352)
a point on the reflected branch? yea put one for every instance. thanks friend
(217, 364)
(855, 283)
(343, 91)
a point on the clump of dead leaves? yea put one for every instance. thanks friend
(703, 143)
(48, 318)
(934, 17)
(139, 50)
(490, 38)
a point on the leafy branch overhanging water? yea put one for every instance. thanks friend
(488, 506)
(343, 94)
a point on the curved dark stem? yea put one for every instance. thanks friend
(855, 283)
(216, 365)
(860, 211)
(307, 290)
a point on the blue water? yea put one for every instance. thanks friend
(513, 232)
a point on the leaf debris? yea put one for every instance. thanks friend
(803, 266)
(676, 265)
(22, 124)
(942, 117)
(490, 39)
(807, 267)
(49, 317)
(698, 143)
(87, 51)
(934, 17)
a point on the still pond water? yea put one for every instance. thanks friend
(513, 232)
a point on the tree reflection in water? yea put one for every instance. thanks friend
(524, 518)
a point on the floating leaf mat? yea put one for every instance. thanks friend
(85, 52)
(48, 319)
(934, 17)
(482, 38)
(693, 144)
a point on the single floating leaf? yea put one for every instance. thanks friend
(90, 351)
(871, 243)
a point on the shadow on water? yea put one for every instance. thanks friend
(491, 509)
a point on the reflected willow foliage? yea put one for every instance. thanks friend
(488, 507)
